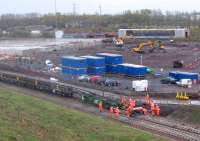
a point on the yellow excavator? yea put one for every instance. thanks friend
(158, 45)
(153, 45)
(139, 48)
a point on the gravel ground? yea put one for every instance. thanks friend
(188, 52)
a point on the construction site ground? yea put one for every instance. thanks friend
(53, 50)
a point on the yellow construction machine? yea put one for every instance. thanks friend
(119, 42)
(139, 48)
(153, 45)
(158, 45)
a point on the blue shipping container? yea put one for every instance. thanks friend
(94, 61)
(76, 72)
(97, 71)
(74, 62)
(111, 69)
(112, 59)
(172, 74)
(132, 70)
(183, 75)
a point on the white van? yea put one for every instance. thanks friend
(185, 83)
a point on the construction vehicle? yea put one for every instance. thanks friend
(153, 45)
(157, 45)
(185, 83)
(177, 64)
(139, 48)
(119, 42)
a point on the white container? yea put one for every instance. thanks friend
(140, 85)
(59, 34)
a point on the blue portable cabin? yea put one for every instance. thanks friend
(132, 70)
(96, 65)
(96, 71)
(184, 75)
(111, 59)
(74, 65)
(94, 61)
(74, 71)
(121, 69)
(74, 62)
(112, 69)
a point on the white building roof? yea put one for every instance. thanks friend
(73, 58)
(132, 65)
(92, 57)
(109, 54)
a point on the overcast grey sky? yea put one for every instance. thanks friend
(92, 6)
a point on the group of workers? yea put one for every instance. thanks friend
(154, 108)
(112, 110)
(129, 107)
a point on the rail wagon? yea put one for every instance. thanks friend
(154, 33)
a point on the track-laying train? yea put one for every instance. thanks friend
(56, 88)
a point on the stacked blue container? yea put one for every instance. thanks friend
(74, 65)
(96, 65)
(183, 75)
(111, 60)
(132, 70)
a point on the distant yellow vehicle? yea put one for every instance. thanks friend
(153, 45)
(119, 42)
(181, 96)
(139, 48)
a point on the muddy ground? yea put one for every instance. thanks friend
(189, 53)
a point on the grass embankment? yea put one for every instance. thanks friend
(23, 118)
(188, 114)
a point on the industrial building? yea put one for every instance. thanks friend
(154, 33)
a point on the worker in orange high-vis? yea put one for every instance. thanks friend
(128, 114)
(129, 111)
(147, 99)
(111, 111)
(100, 106)
(157, 110)
(145, 111)
(122, 99)
(152, 107)
(117, 112)
(132, 103)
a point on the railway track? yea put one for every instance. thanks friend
(179, 132)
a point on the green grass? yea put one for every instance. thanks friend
(23, 118)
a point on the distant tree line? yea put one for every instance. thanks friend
(95, 23)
